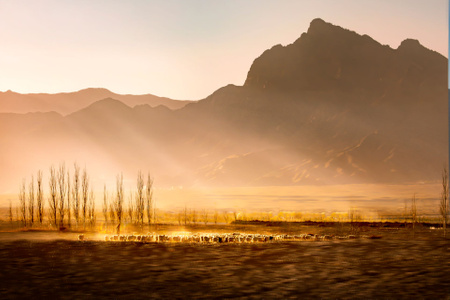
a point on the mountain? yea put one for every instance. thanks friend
(65, 103)
(330, 58)
(334, 107)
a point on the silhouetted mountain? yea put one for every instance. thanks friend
(66, 103)
(329, 58)
(334, 107)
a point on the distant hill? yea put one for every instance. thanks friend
(334, 107)
(65, 103)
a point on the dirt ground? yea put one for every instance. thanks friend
(397, 266)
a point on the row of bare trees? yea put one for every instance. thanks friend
(31, 202)
(68, 196)
(74, 197)
(140, 208)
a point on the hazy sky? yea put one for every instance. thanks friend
(181, 49)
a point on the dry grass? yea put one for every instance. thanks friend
(394, 267)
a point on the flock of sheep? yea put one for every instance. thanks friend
(219, 238)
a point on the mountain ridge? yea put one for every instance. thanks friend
(69, 102)
(309, 64)
(296, 120)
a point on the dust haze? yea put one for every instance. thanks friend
(333, 116)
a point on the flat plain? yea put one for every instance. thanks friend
(401, 265)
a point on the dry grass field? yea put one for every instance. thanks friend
(401, 265)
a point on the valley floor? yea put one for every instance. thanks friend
(394, 267)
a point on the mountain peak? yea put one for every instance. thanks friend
(108, 102)
(318, 25)
(410, 43)
(105, 105)
(331, 58)
(96, 91)
(411, 46)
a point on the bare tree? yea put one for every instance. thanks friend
(69, 215)
(105, 206)
(186, 219)
(149, 198)
(216, 216)
(84, 194)
(10, 212)
(119, 201)
(205, 216)
(76, 193)
(235, 215)
(112, 213)
(140, 199)
(414, 211)
(405, 212)
(53, 202)
(39, 197)
(31, 201)
(225, 217)
(62, 193)
(180, 217)
(351, 215)
(23, 204)
(443, 207)
(194, 216)
(91, 209)
(131, 208)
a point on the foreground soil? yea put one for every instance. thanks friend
(389, 268)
